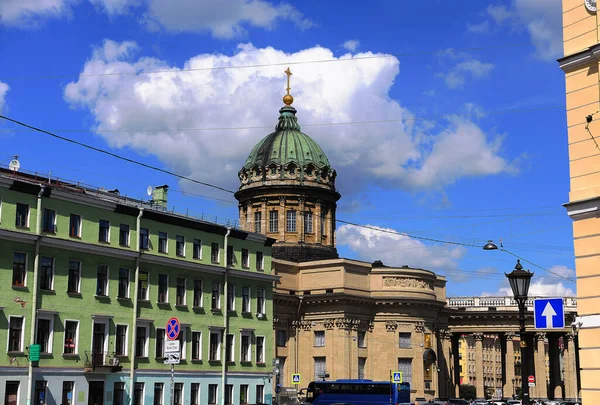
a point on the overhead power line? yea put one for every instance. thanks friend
(262, 65)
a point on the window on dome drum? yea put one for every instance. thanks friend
(273, 170)
(19, 269)
(290, 221)
(362, 339)
(292, 170)
(103, 231)
(257, 222)
(180, 246)
(124, 235)
(49, 221)
(281, 337)
(22, 216)
(75, 226)
(309, 171)
(273, 221)
(308, 222)
(162, 242)
(322, 230)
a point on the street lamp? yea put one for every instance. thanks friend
(519, 280)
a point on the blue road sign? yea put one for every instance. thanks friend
(397, 377)
(173, 329)
(549, 313)
(295, 378)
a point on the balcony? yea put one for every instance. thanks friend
(102, 362)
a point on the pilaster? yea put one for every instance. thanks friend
(509, 365)
(570, 371)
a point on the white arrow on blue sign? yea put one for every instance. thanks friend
(397, 377)
(549, 313)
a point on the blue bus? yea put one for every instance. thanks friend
(358, 392)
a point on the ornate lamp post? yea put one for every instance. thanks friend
(519, 280)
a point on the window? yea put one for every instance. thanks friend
(104, 231)
(214, 252)
(123, 283)
(260, 394)
(404, 340)
(138, 393)
(144, 239)
(243, 394)
(158, 393)
(124, 235)
(308, 222)
(213, 389)
(180, 246)
(260, 301)
(319, 338)
(197, 293)
(74, 276)
(162, 242)
(11, 395)
(196, 345)
(281, 338)
(181, 287)
(230, 256)
(178, 394)
(44, 335)
(102, 280)
(228, 394)
(260, 349)
(47, 273)
(141, 339)
(75, 226)
(246, 299)
(15, 334)
(70, 343)
(160, 343)
(258, 222)
(182, 340)
(229, 342)
(67, 392)
(405, 367)
(19, 269)
(163, 288)
(362, 338)
(215, 302)
(195, 394)
(197, 253)
(119, 393)
(143, 279)
(320, 367)
(290, 224)
(49, 221)
(273, 221)
(215, 346)
(245, 347)
(40, 392)
(323, 231)
(245, 258)
(362, 361)
(309, 171)
(121, 341)
(231, 297)
(292, 170)
(22, 217)
(259, 261)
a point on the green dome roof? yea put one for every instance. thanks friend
(287, 145)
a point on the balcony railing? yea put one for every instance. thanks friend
(94, 360)
(570, 303)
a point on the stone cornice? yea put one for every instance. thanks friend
(83, 199)
(583, 209)
(581, 58)
(18, 236)
(87, 248)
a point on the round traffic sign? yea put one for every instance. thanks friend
(531, 379)
(173, 328)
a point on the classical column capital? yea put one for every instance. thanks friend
(391, 326)
(540, 336)
(570, 336)
(509, 336)
(329, 323)
(478, 336)
(420, 327)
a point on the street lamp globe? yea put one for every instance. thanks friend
(490, 246)
(519, 280)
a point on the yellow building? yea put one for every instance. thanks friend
(581, 35)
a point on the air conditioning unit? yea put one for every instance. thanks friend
(113, 361)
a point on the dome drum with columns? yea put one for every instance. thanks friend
(287, 191)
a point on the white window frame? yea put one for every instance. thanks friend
(184, 245)
(199, 244)
(146, 326)
(162, 354)
(147, 297)
(108, 236)
(232, 307)
(22, 339)
(262, 393)
(246, 302)
(162, 391)
(182, 392)
(79, 227)
(201, 292)
(231, 358)
(126, 352)
(128, 282)
(261, 311)
(184, 291)
(216, 387)
(218, 307)
(260, 264)
(128, 234)
(46, 317)
(246, 260)
(195, 401)
(106, 287)
(199, 344)
(183, 341)
(247, 386)
(53, 267)
(229, 394)
(248, 357)
(166, 300)
(79, 278)
(166, 251)
(28, 215)
(106, 323)
(76, 348)
(53, 230)
(263, 349)
(219, 333)
(26, 266)
(218, 253)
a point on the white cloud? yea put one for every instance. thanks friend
(116, 7)
(29, 12)
(546, 285)
(351, 45)
(397, 250)
(3, 90)
(392, 155)
(541, 19)
(456, 76)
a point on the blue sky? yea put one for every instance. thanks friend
(450, 120)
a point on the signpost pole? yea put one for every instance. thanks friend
(172, 384)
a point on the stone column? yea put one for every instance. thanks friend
(509, 365)
(455, 366)
(282, 219)
(264, 221)
(444, 350)
(317, 221)
(555, 390)
(332, 229)
(570, 371)
(418, 366)
(541, 389)
(300, 220)
(479, 365)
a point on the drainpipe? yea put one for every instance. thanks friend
(36, 265)
(225, 322)
(135, 306)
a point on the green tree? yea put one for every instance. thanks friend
(467, 391)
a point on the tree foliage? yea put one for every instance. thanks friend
(467, 391)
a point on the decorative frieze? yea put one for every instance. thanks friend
(301, 324)
(391, 326)
(407, 282)
(478, 336)
(347, 323)
(329, 323)
(420, 327)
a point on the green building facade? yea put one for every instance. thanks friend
(99, 275)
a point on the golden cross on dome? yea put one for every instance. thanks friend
(288, 99)
(288, 72)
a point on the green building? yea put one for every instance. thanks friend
(100, 275)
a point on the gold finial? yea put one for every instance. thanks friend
(288, 99)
